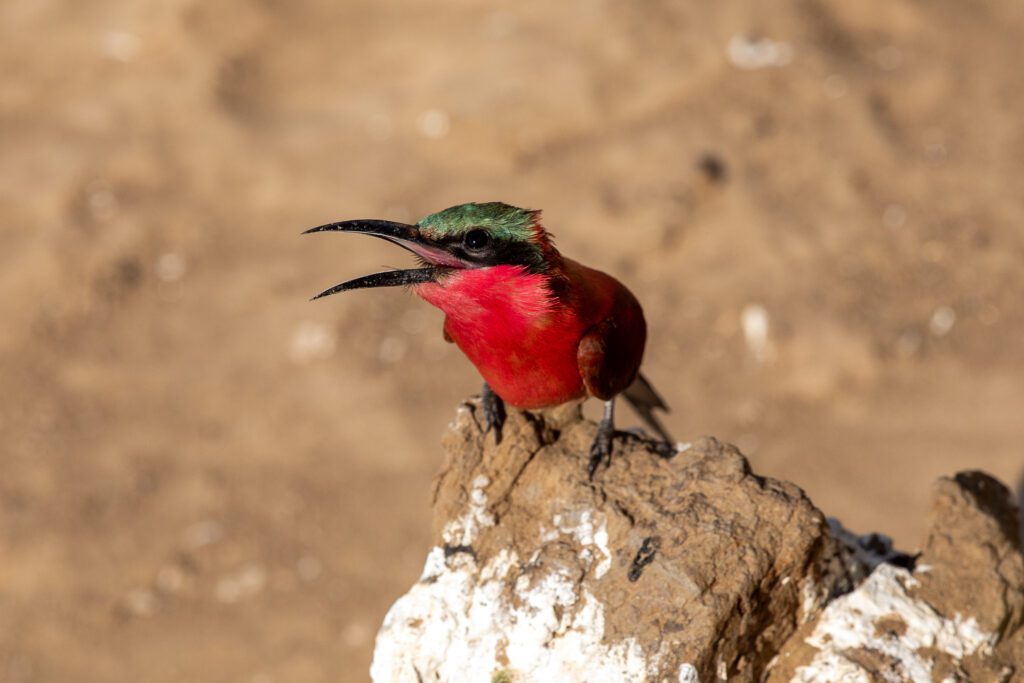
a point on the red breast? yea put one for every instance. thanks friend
(522, 333)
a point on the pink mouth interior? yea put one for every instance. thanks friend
(438, 257)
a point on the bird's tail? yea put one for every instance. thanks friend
(645, 400)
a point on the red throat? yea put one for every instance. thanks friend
(517, 333)
(507, 295)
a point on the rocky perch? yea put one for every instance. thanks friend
(690, 569)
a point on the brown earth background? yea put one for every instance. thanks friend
(205, 477)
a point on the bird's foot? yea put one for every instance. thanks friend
(666, 449)
(663, 448)
(600, 451)
(494, 412)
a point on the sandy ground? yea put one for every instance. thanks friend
(207, 478)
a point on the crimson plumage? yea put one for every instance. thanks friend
(543, 339)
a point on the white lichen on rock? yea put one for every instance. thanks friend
(813, 595)
(590, 531)
(688, 674)
(464, 622)
(857, 621)
(461, 532)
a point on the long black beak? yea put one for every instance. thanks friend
(405, 236)
(389, 230)
(389, 278)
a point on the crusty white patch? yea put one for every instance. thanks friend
(463, 417)
(688, 674)
(590, 531)
(459, 623)
(813, 596)
(462, 531)
(466, 622)
(849, 623)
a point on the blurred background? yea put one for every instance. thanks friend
(205, 477)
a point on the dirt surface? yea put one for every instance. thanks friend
(206, 477)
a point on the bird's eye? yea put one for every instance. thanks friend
(476, 239)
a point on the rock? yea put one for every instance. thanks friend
(972, 552)
(679, 569)
(881, 632)
(954, 616)
(689, 569)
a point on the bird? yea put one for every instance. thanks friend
(541, 328)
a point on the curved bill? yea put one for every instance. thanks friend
(385, 229)
(390, 278)
(402, 234)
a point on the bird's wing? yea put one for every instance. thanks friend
(604, 362)
(608, 368)
(645, 400)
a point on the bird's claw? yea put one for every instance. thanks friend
(666, 449)
(600, 451)
(494, 412)
(663, 448)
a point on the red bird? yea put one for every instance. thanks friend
(542, 329)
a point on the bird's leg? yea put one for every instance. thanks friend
(601, 449)
(494, 411)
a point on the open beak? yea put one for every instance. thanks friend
(405, 236)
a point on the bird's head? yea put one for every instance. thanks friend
(467, 236)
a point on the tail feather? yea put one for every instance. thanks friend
(645, 400)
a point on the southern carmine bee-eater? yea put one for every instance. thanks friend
(541, 328)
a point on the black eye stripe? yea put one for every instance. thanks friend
(497, 252)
